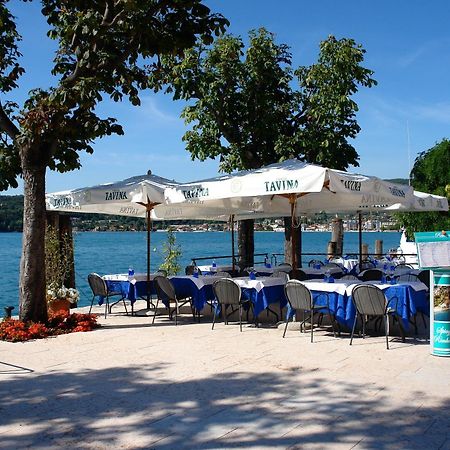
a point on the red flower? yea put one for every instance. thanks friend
(14, 330)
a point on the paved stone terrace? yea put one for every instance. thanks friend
(133, 385)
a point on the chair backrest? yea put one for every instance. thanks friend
(97, 284)
(281, 274)
(369, 300)
(164, 288)
(371, 275)
(284, 267)
(314, 262)
(162, 272)
(234, 273)
(424, 277)
(407, 277)
(297, 274)
(333, 264)
(337, 260)
(222, 274)
(227, 291)
(366, 264)
(189, 270)
(298, 295)
(400, 268)
(349, 277)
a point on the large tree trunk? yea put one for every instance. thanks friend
(32, 301)
(288, 242)
(246, 243)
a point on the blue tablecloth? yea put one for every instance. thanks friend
(406, 301)
(265, 297)
(185, 287)
(129, 290)
(335, 301)
(408, 304)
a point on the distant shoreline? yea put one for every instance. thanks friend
(209, 231)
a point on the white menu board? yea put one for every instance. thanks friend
(434, 254)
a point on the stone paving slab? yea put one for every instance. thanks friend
(135, 385)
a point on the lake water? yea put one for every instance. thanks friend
(114, 252)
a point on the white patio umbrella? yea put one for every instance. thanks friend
(139, 196)
(422, 201)
(290, 188)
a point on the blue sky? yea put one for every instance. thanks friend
(408, 47)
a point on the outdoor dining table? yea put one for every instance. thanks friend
(262, 291)
(211, 270)
(349, 263)
(131, 287)
(198, 288)
(407, 298)
(313, 273)
(265, 270)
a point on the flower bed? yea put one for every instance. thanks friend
(14, 330)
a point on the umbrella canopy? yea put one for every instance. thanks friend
(314, 189)
(132, 196)
(292, 188)
(422, 201)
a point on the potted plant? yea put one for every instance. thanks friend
(61, 299)
(171, 253)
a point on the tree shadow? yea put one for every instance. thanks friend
(136, 407)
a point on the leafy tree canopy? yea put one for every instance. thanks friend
(251, 108)
(430, 173)
(105, 48)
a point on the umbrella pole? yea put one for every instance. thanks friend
(149, 230)
(360, 238)
(292, 200)
(232, 242)
(300, 246)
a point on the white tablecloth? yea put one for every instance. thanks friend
(259, 283)
(321, 271)
(347, 264)
(201, 281)
(215, 269)
(346, 286)
(125, 277)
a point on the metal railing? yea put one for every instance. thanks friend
(204, 258)
(274, 256)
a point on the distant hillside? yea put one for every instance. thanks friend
(399, 180)
(11, 212)
(11, 219)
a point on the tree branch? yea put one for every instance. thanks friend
(6, 124)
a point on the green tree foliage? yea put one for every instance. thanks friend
(11, 212)
(430, 173)
(105, 49)
(251, 108)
